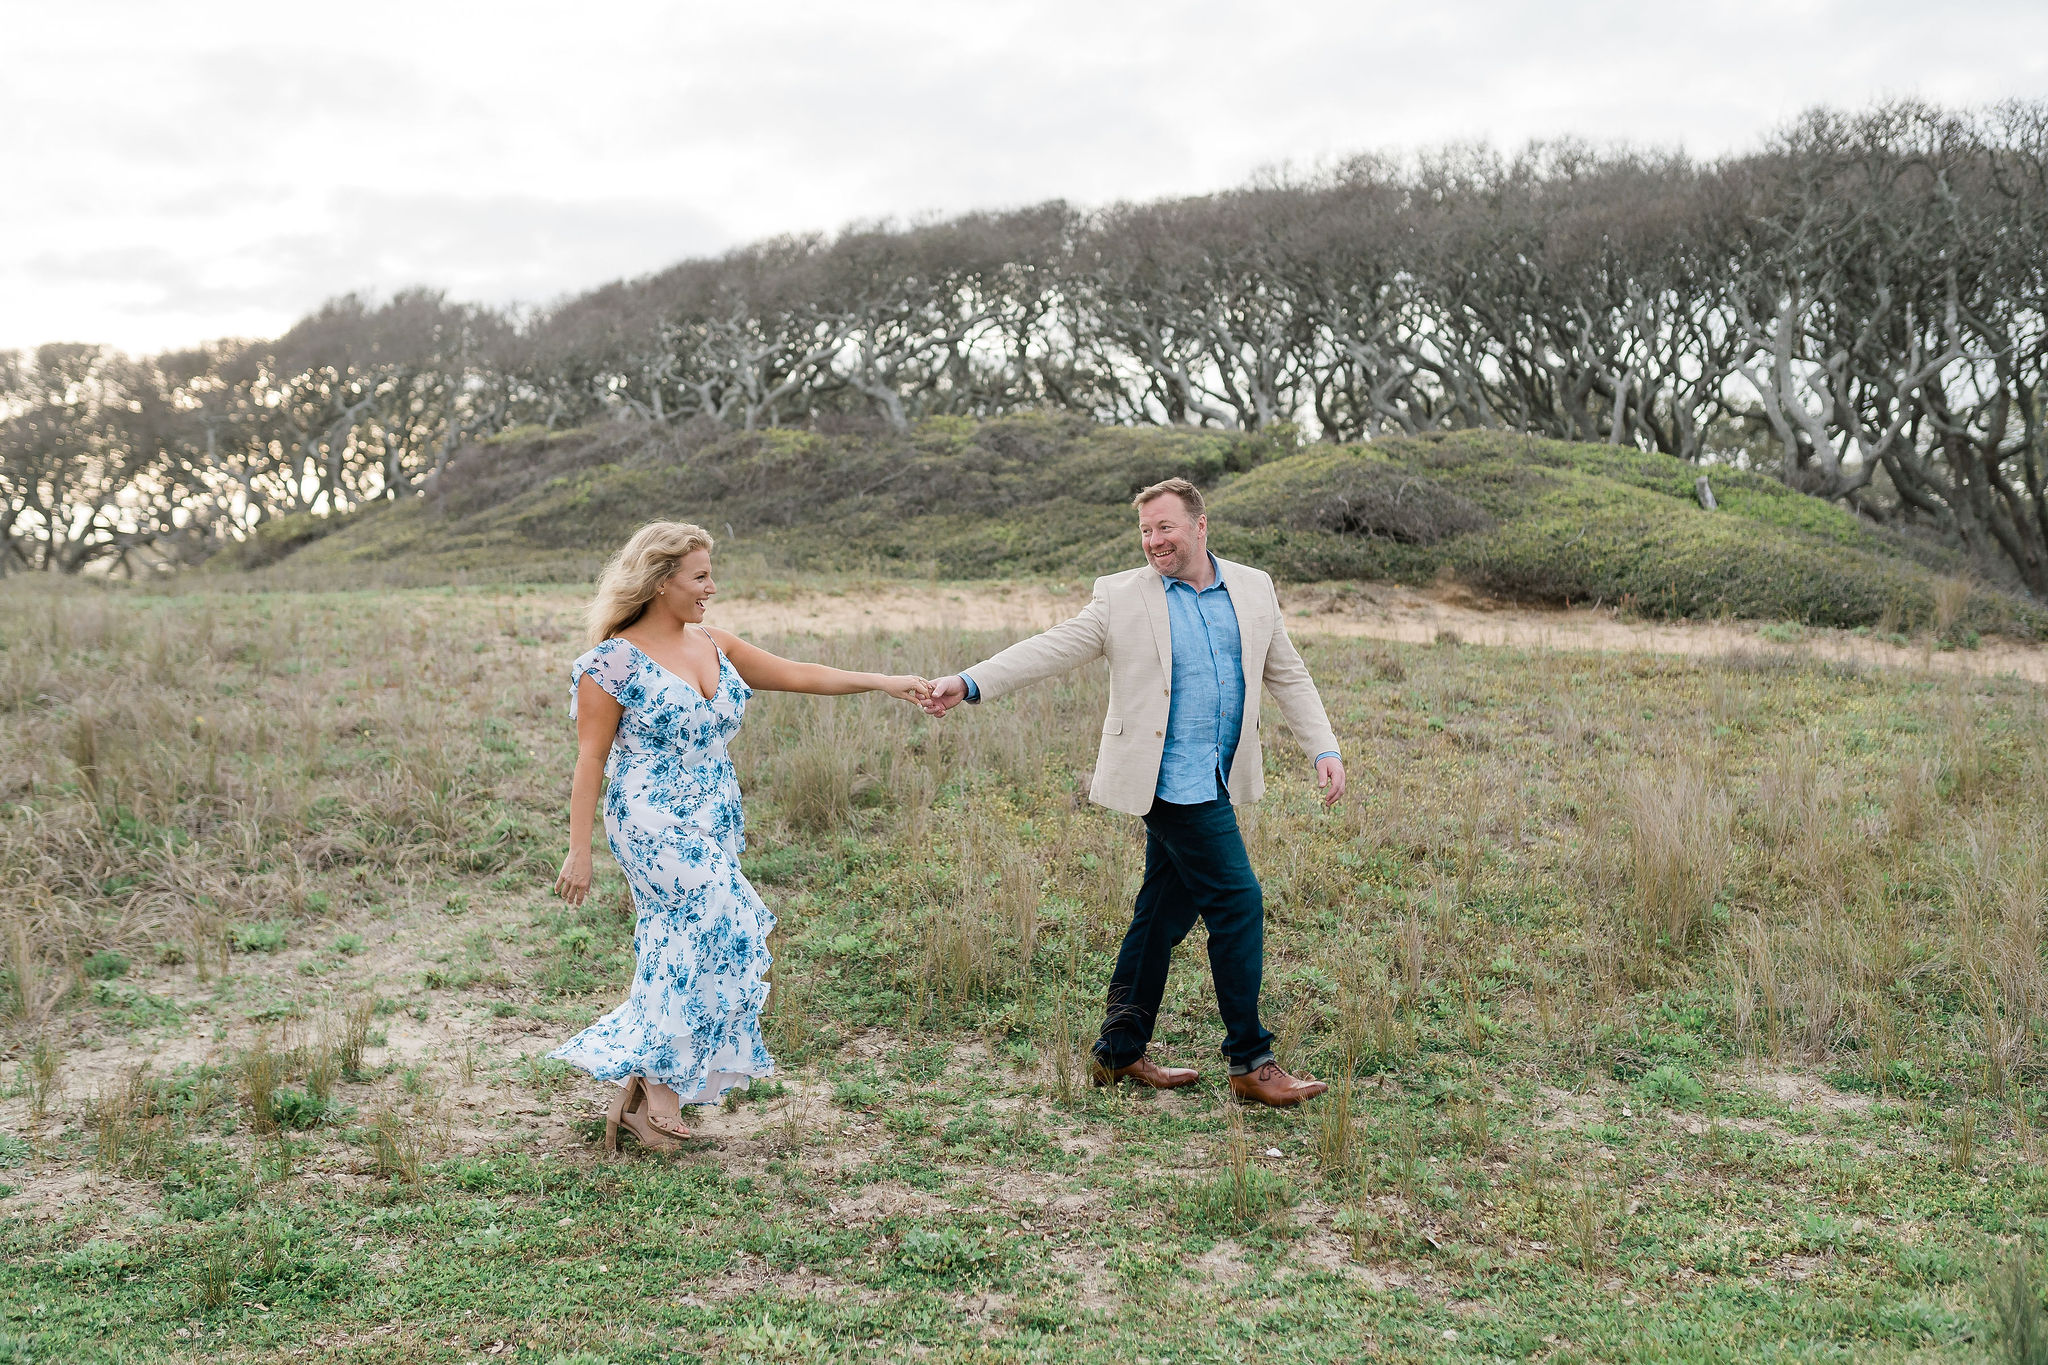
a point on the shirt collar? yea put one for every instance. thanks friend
(1215, 577)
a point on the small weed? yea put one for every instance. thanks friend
(1962, 1137)
(1673, 1085)
(1066, 1057)
(401, 1156)
(856, 1092)
(1336, 1132)
(42, 1077)
(105, 966)
(266, 937)
(791, 1128)
(320, 1074)
(1584, 1219)
(296, 1109)
(261, 1071)
(2012, 1297)
(213, 1277)
(355, 1039)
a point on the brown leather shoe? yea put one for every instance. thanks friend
(1147, 1072)
(1271, 1086)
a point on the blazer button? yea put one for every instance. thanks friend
(1158, 734)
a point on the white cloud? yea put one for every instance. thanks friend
(219, 168)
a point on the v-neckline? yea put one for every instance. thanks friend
(716, 687)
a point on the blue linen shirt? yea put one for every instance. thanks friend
(1206, 714)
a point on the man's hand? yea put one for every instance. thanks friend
(1330, 780)
(946, 693)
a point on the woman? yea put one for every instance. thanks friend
(655, 701)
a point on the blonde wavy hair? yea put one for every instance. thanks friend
(630, 580)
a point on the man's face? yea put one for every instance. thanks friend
(1174, 541)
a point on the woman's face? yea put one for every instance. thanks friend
(689, 590)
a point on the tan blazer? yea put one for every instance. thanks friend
(1126, 622)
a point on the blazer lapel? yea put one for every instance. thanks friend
(1252, 627)
(1153, 590)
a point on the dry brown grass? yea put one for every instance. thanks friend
(1679, 849)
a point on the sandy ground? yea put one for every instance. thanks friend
(1382, 612)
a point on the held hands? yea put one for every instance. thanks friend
(1330, 780)
(572, 884)
(946, 693)
(908, 687)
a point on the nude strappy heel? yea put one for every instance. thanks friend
(634, 1118)
(616, 1112)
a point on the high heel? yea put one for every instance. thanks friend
(620, 1103)
(635, 1120)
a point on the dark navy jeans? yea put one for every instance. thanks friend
(1195, 868)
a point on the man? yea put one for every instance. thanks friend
(1191, 641)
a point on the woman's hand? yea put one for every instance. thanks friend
(907, 687)
(572, 884)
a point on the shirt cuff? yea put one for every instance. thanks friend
(973, 692)
(1321, 757)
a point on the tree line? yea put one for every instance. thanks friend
(1859, 304)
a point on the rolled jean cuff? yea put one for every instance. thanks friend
(1106, 1056)
(1247, 1068)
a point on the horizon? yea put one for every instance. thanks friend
(529, 162)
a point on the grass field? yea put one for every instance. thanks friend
(1685, 1009)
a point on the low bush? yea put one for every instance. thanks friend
(1526, 518)
(257, 938)
(105, 966)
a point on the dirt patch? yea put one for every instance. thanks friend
(1790, 1087)
(749, 1275)
(1223, 1263)
(1095, 1289)
(1562, 1110)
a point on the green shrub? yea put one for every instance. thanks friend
(1927, 1263)
(1541, 520)
(1352, 492)
(105, 966)
(257, 938)
(856, 1093)
(296, 1109)
(945, 1256)
(1672, 1084)
(101, 1258)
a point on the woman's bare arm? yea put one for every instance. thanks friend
(765, 672)
(597, 725)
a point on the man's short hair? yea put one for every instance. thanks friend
(1189, 495)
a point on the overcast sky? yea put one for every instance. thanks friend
(209, 169)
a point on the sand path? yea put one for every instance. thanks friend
(1382, 612)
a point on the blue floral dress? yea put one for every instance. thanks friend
(692, 1018)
